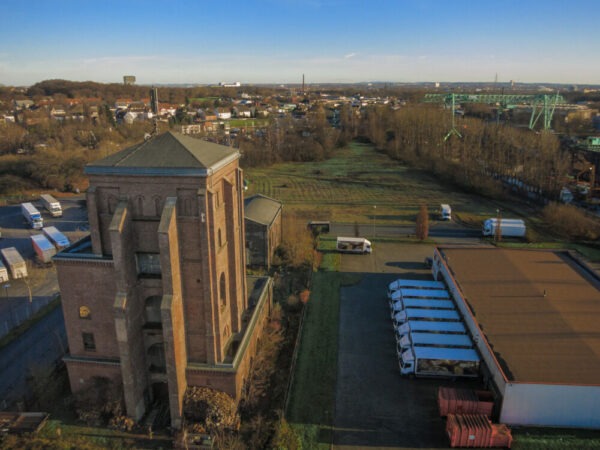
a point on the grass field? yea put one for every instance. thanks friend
(311, 406)
(357, 184)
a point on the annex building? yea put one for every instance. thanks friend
(156, 297)
(534, 316)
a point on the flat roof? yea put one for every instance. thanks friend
(539, 310)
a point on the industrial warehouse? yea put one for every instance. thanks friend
(533, 316)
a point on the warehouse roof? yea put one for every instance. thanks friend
(540, 311)
(166, 154)
(261, 209)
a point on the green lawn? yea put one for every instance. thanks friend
(312, 398)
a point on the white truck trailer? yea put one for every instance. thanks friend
(419, 293)
(404, 303)
(508, 227)
(439, 362)
(52, 205)
(32, 216)
(353, 245)
(15, 262)
(433, 340)
(59, 240)
(414, 284)
(425, 314)
(429, 326)
(43, 248)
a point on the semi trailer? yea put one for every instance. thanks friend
(439, 362)
(419, 293)
(414, 284)
(404, 303)
(353, 245)
(43, 248)
(15, 262)
(429, 326)
(433, 340)
(59, 240)
(425, 314)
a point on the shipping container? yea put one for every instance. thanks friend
(464, 401)
(476, 431)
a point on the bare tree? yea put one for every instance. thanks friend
(422, 228)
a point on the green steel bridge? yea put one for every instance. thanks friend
(541, 104)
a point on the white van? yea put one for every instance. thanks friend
(445, 212)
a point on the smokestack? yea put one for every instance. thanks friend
(303, 84)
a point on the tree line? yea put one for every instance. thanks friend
(476, 155)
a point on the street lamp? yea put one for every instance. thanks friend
(374, 213)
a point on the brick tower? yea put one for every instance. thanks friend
(156, 297)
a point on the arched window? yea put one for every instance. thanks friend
(156, 358)
(222, 289)
(157, 208)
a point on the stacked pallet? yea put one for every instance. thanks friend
(476, 430)
(464, 401)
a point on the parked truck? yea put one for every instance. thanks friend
(429, 326)
(32, 215)
(425, 314)
(59, 240)
(353, 245)
(414, 284)
(15, 262)
(3, 273)
(445, 212)
(433, 340)
(404, 303)
(508, 227)
(419, 293)
(439, 362)
(43, 248)
(52, 205)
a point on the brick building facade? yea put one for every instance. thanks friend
(156, 298)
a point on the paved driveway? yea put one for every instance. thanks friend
(375, 406)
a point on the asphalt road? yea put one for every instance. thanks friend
(41, 347)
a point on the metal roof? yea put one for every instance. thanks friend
(170, 153)
(261, 209)
(539, 310)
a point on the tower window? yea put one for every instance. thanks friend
(148, 263)
(223, 289)
(88, 342)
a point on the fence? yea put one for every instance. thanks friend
(17, 315)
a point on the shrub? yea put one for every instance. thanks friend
(570, 222)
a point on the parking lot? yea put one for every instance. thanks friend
(375, 406)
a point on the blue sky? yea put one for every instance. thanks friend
(276, 41)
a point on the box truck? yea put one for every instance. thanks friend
(43, 248)
(445, 212)
(14, 262)
(404, 303)
(353, 245)
(3, 273)
(419, 293)
(425, 314)
(59, 240)
(414, 284)
(429, 326)
(508, 227)
(32, 215)
(52, 205)
(433, 340)
(439, 362)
